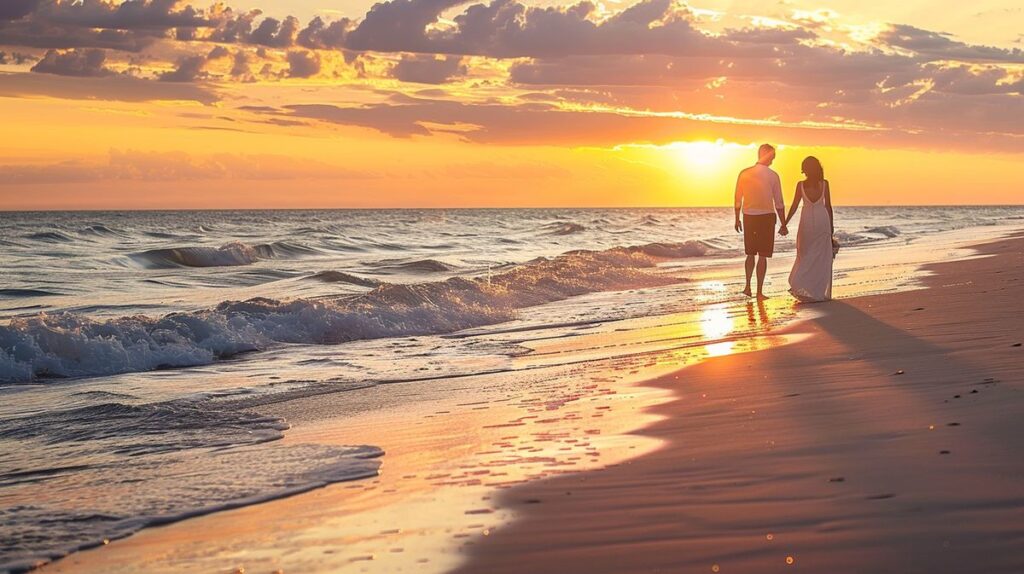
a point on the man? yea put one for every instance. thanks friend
(759, 196)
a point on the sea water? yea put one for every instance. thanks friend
(134, 346)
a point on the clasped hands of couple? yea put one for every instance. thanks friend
(783, 231)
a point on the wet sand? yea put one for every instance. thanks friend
(731, 457)
(889, 441)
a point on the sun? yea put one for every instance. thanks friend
(706, 170)
(697, 172)
(702, 157)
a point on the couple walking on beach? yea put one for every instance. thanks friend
(759, 199)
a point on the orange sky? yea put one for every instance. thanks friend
(438, 103)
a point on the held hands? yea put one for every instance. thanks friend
(783, 231)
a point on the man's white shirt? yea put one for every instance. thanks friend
(759, 191)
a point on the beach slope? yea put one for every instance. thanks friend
(889, 440)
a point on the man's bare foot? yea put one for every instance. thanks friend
(747, 292)
(761, 297)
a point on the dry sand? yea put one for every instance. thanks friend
(890, 441)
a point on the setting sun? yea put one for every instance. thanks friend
(703, 158)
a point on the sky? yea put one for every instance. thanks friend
(167, 104)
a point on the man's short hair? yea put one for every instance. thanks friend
(765, 150)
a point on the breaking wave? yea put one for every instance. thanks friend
(160, 235)
(71, 345)
(232, 254)
(888, 231)
(339, 277)
(100, 230)
(678, 250)
(563, 228)
(50, 237)
(870, 235)
(416, 266)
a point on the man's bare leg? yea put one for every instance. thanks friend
(762, 269)
(749, 265)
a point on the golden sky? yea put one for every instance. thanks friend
(112, 104)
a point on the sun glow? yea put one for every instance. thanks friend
(703, 155)
(706, 159)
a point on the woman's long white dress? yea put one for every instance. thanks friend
(811, 277)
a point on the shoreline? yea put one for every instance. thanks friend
(284, 526)
(883, 443)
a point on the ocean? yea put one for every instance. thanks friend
(136, 347)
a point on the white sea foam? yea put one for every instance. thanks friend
(870, 235)
(888, 231)
(72, 345)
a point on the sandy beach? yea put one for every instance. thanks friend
(870, 434)
(888, 441)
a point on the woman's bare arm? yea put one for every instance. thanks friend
(828, 207)
(792, 206)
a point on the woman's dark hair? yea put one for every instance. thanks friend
(812, 169)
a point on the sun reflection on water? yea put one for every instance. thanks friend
(716, 323)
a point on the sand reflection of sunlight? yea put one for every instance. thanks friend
(716, 323)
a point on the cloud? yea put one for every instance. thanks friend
(547, 124)
(174, 166)
(127, 25)
(508, 29)
(522, 124)
(320, 34)
(941, 46)
(972, 80)
(234, 28)
(32, 33)
(652, 56)
(428, 69)
(274, 33)
(190, 69)
(125, 15)
(240, 67)
(398, 25)
(218, 52)
(16, 58)
(822, 69)
(303, 64)
(15, 9)
(87, 63)
(111, 88)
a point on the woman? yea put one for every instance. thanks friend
(811, 277)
